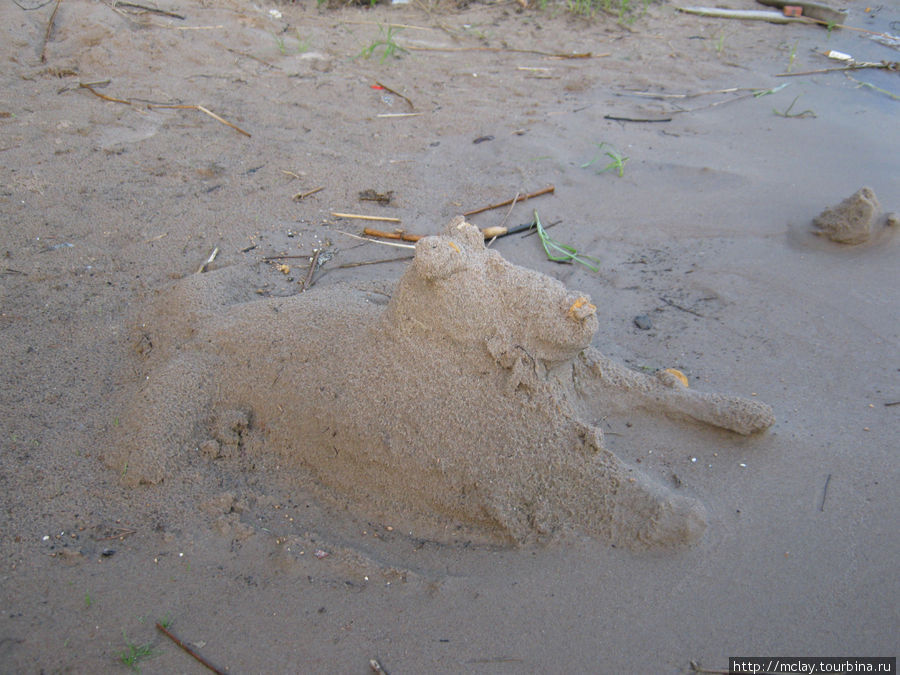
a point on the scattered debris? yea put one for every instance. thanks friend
(383, 198)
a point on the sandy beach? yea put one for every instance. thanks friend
(135, 143)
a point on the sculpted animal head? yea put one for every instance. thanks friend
(460, 291)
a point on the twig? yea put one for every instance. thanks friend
(361, 217)
(515, 199)
(212, 256)
(890, 403)
(203, 110)
(824, 493)
(616, 118)
(165, 631)
(554, 55)
(683, 309)
(300, 196)
(396, 93)
(121, 534)
(248, 56)
(886, 65)
(49, 30)
(153, 10)
(313, 266)
(270, 258)
(410, 114)
(397, 234)
(375, 262)
(651, 94)
(376, 241)
(710, 671)
(90, 88)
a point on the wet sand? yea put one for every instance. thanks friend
(708, 234)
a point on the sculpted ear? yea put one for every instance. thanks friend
(465, 234)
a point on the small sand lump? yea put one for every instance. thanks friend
(852, 221)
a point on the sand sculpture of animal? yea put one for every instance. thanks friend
(465, 397)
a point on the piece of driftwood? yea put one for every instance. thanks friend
(747, 14)
(813, 10)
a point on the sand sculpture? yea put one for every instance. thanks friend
(463, 397)
(855, 220)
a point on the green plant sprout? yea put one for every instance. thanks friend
(788, 113)
(87, 600)
(791, 57)
(617, 163)
(279, 42)
(766, 92)
(134, 653)
(563, 253)
(386, 42)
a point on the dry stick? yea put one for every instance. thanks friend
(375, 262)
(154, 10)
(616, 118)
(165, 631)
(825, 493)
(398, 234)
(386, 219)
(546, 190)
(313, 264)
(203, 110)
(887, 65)
(376, 241)
(84, 85)
(554, 55)
(300, 196)
(396, 93)
(49, 30)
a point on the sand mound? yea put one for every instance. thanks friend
(462, 398)
(853, 221)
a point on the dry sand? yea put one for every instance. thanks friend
(110, 208)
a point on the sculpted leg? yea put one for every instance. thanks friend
(161, 420)
(598, 377)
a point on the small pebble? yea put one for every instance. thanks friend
(643, 322)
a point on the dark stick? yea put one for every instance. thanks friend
(517, 199)
(49, 30)
(133, 5)
(190, 651)
(683, 309)
(313, 264)
(616, 118)
(824, 493)
(396, 93)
